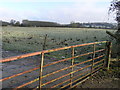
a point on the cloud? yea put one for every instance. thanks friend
(84, 12)
(8, 14)
(38, 0)
(79, 10)
(89, 1)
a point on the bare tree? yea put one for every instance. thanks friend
(115, 7)
(17, 23)
(12, 22)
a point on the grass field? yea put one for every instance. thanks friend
(26, 39)
(32, 38)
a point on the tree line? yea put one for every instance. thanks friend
(28, 23)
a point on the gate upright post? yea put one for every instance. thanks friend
(108, 55)
(41, 70)
(93, 58)
(71, 75)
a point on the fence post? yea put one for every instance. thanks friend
(41, 70)
(108, 55)
(71, 75)
(93, 58)
(44, 44)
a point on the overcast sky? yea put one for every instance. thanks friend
(61, 11)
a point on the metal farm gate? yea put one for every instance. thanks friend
(64, 73)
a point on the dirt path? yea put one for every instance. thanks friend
(105, 79)
(21, 65)
(15, 67)
(110, 79)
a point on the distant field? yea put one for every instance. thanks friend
(32, 38)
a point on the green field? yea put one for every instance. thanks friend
(32, 38)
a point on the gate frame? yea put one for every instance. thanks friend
(106, 61)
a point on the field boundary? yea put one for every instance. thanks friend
(94, 64)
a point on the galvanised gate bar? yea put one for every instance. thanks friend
(67, 75)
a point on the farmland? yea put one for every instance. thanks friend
(31, 39)
(28, 39)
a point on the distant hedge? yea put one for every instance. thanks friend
(39, 24)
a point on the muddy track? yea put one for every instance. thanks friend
(105, 79)
(100, 80)
(21, 65)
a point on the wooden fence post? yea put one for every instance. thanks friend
(108, 54)
(44, 44)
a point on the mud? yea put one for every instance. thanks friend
(21, 65)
